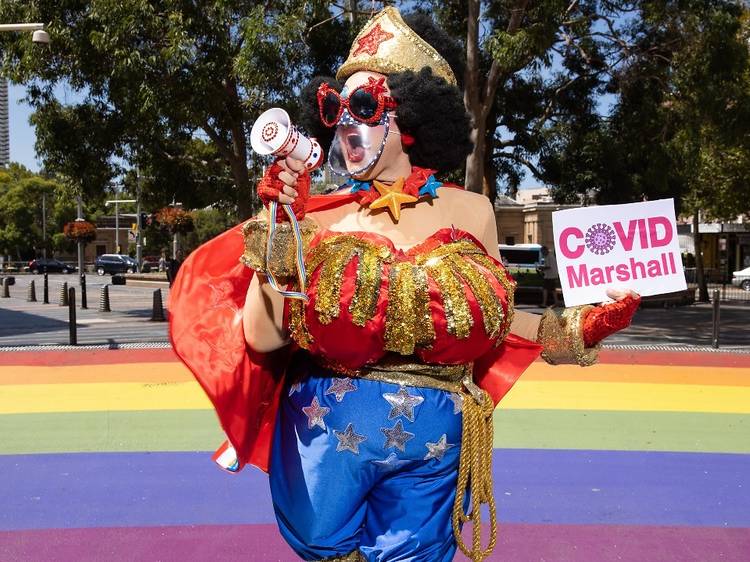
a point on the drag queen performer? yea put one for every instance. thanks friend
(368, 395)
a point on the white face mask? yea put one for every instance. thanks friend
(356, 147)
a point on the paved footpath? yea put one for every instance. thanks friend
(25, 323)
(105, 455)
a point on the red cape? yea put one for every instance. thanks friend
(206, 332)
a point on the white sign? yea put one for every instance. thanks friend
(632, 246)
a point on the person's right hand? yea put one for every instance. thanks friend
(287, 182)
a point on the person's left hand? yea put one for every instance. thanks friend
(606, 319)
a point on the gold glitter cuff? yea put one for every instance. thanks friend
(562, 337)
(283, 249)
(353, 556)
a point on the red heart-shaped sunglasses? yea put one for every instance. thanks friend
(366, 103)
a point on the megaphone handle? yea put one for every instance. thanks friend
(300, 252)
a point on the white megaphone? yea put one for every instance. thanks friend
(274, 133)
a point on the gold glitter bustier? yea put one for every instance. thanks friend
(444, 301)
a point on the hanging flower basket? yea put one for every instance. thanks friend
(80, 231)
(176, 220)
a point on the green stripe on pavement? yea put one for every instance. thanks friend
(159, 430)
(198, 430)
(629, 431)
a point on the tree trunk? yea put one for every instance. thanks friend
(479, 95)
(475, 163)
(245, 191)
(489, 184)
(700, 278)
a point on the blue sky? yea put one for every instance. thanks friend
(22, 135)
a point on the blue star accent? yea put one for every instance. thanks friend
(358, 185)
(430, 187)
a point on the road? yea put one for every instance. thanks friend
(23, 323)
(33, 323)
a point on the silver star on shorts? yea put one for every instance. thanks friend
(340, 387)
(348, 440)
(296, 387)
(437, 450)
(402, 404)
(315, 413)
(396, 436)
(458, 402)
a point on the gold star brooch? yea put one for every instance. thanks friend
(392, 197)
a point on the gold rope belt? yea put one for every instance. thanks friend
(475, 459)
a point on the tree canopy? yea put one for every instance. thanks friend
(603, 100)
(21, 219)
(170, 86)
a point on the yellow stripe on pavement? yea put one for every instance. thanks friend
(566, 395)
(93, 397)
(557, 395)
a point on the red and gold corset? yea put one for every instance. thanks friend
(444, 301)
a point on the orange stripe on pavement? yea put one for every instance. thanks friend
(124, 372)
(658, 374)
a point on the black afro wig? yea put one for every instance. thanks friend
(429, 108)
(432, 111)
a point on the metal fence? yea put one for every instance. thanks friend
(730, 288)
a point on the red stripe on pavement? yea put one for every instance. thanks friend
(110, 356)
(85, 357)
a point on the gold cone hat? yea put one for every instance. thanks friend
(387, 45)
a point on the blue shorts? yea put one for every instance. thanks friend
(366, 465)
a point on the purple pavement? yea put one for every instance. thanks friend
(531, 485)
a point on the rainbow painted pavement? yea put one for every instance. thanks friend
(104, 455)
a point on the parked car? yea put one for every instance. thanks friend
(115, 263)
(741, 279)
(150, 263)
(50, 265)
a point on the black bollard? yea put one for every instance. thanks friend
(83, 291)
(64, 294)
(72, 316)
(6, 288)
(46, 289)
(715, 303)
(104, 300)
(31, 295)
(157, 311)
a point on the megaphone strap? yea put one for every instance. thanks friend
(299, 255)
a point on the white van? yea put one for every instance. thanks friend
(522, 256)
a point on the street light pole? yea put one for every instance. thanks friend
(138, 234)
(116, 203)
(44, 226)
(21, 26)
(175, 236)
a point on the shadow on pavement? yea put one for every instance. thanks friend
(687, 325)
(13, 323)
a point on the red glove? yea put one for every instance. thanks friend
(270, 186)
(607, 319)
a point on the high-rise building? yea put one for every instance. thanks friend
(4, 129)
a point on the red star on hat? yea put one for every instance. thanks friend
(370, 43)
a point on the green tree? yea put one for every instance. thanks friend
(170, 86)
(679, 126)
(21, 220)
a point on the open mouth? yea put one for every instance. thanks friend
(355, 150)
